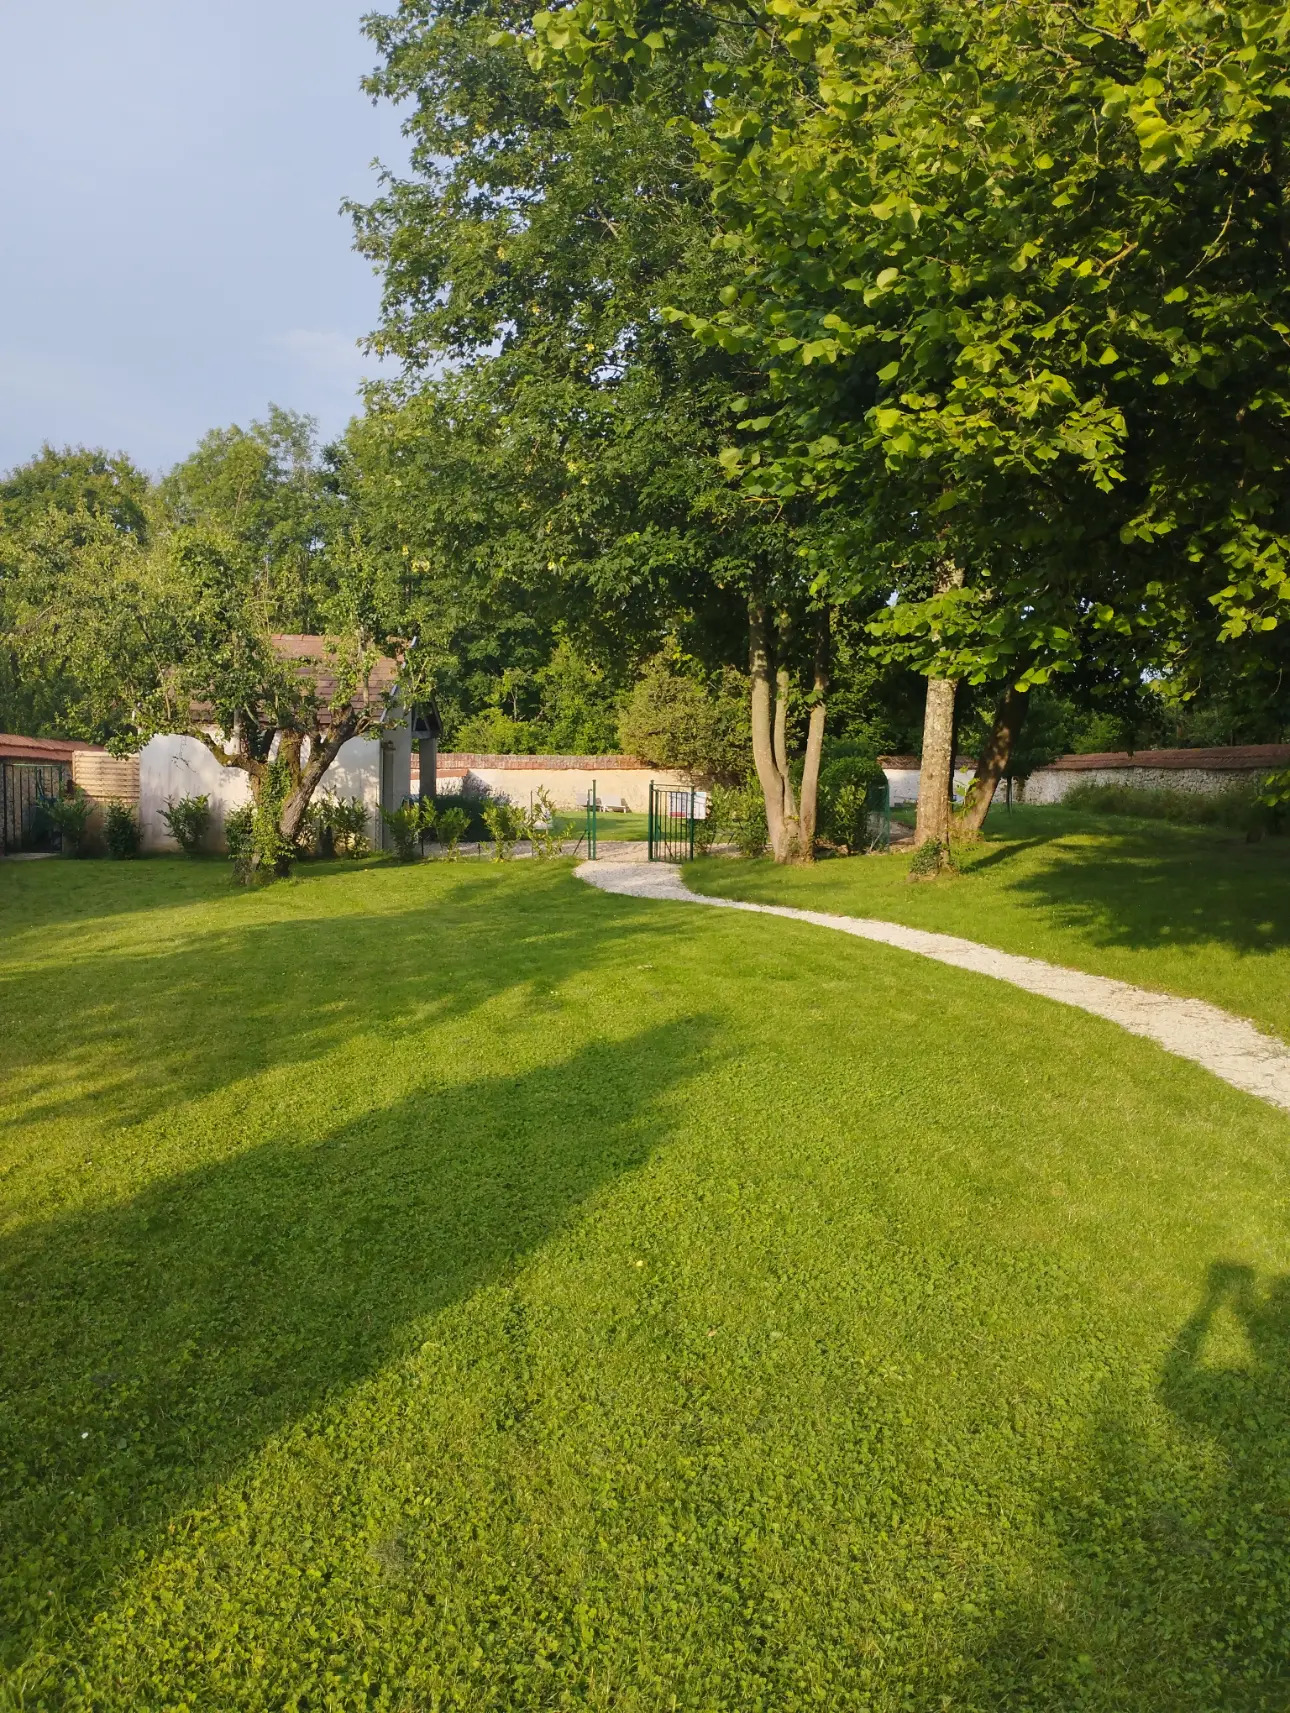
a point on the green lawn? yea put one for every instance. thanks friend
(453, 1288)
(608, 825)
(1189, 910)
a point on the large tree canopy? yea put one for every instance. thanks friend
(1016, 279)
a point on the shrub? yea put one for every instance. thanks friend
(930, 859)
(121, 829)
(451, 825)
(505, 825)
(540, 826)
(338, 828)
(187, 821)
(69, 816)
(679, 717)
(237, 832)
(847, 787)
(408, 826)
(738, 815)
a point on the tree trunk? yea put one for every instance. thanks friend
(790, 827)
(992, 763)
(936, 774)
(808, 813)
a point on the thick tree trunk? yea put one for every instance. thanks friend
(936, 774)
(992, 763)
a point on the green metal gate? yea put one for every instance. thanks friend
(672, 814)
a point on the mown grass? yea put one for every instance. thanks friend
(609, 825)
(450, 1287)
(1196, 911)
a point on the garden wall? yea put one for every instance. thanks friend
(173, 766)
(903, 774)
(1199, 770)
(567, 778)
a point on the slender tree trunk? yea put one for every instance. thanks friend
(992, 763)
(936, 774)
(764, 718)
(790, 827)
(809, 808)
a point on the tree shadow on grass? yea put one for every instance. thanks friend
(149, 1349)
(125, 1033)
(1147, 887)
(1173, 1583)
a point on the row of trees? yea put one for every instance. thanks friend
(807, 353)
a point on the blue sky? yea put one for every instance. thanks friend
(172, 255)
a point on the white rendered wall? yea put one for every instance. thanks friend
(174, 766)
(568, 786)
(902, 783)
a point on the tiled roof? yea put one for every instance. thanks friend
(52, 750)
(912, 764)
(1230, 758)
(311, 652)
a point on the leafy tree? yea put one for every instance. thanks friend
(267, 488)
(1016, 279)
(566, 475)
(176, 634)
(679, 717)
(64, 498)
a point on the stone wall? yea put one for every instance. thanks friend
(1198, 770)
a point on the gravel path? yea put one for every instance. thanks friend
(1228, 1046)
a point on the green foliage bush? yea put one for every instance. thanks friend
(506, 825)
(237, 832)
(540, 826)
(121, 830)
(68, 815)
(451, 826)
(336, 827)
(679, 718)
(849, 786)
(737, 816)
(188, 820)
(931, 858)
(408, 826)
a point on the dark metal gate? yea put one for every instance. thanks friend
(673, 811)
(24, 786)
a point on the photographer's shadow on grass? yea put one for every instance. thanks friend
(1172, 1585)
(150, 1348)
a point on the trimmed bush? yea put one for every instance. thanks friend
(68, 816)
(237, 832)
(451, 826)
(121, 830)
(188, 821)
(847, 785)
(408, 826)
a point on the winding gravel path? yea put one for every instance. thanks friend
(1228, 1046)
